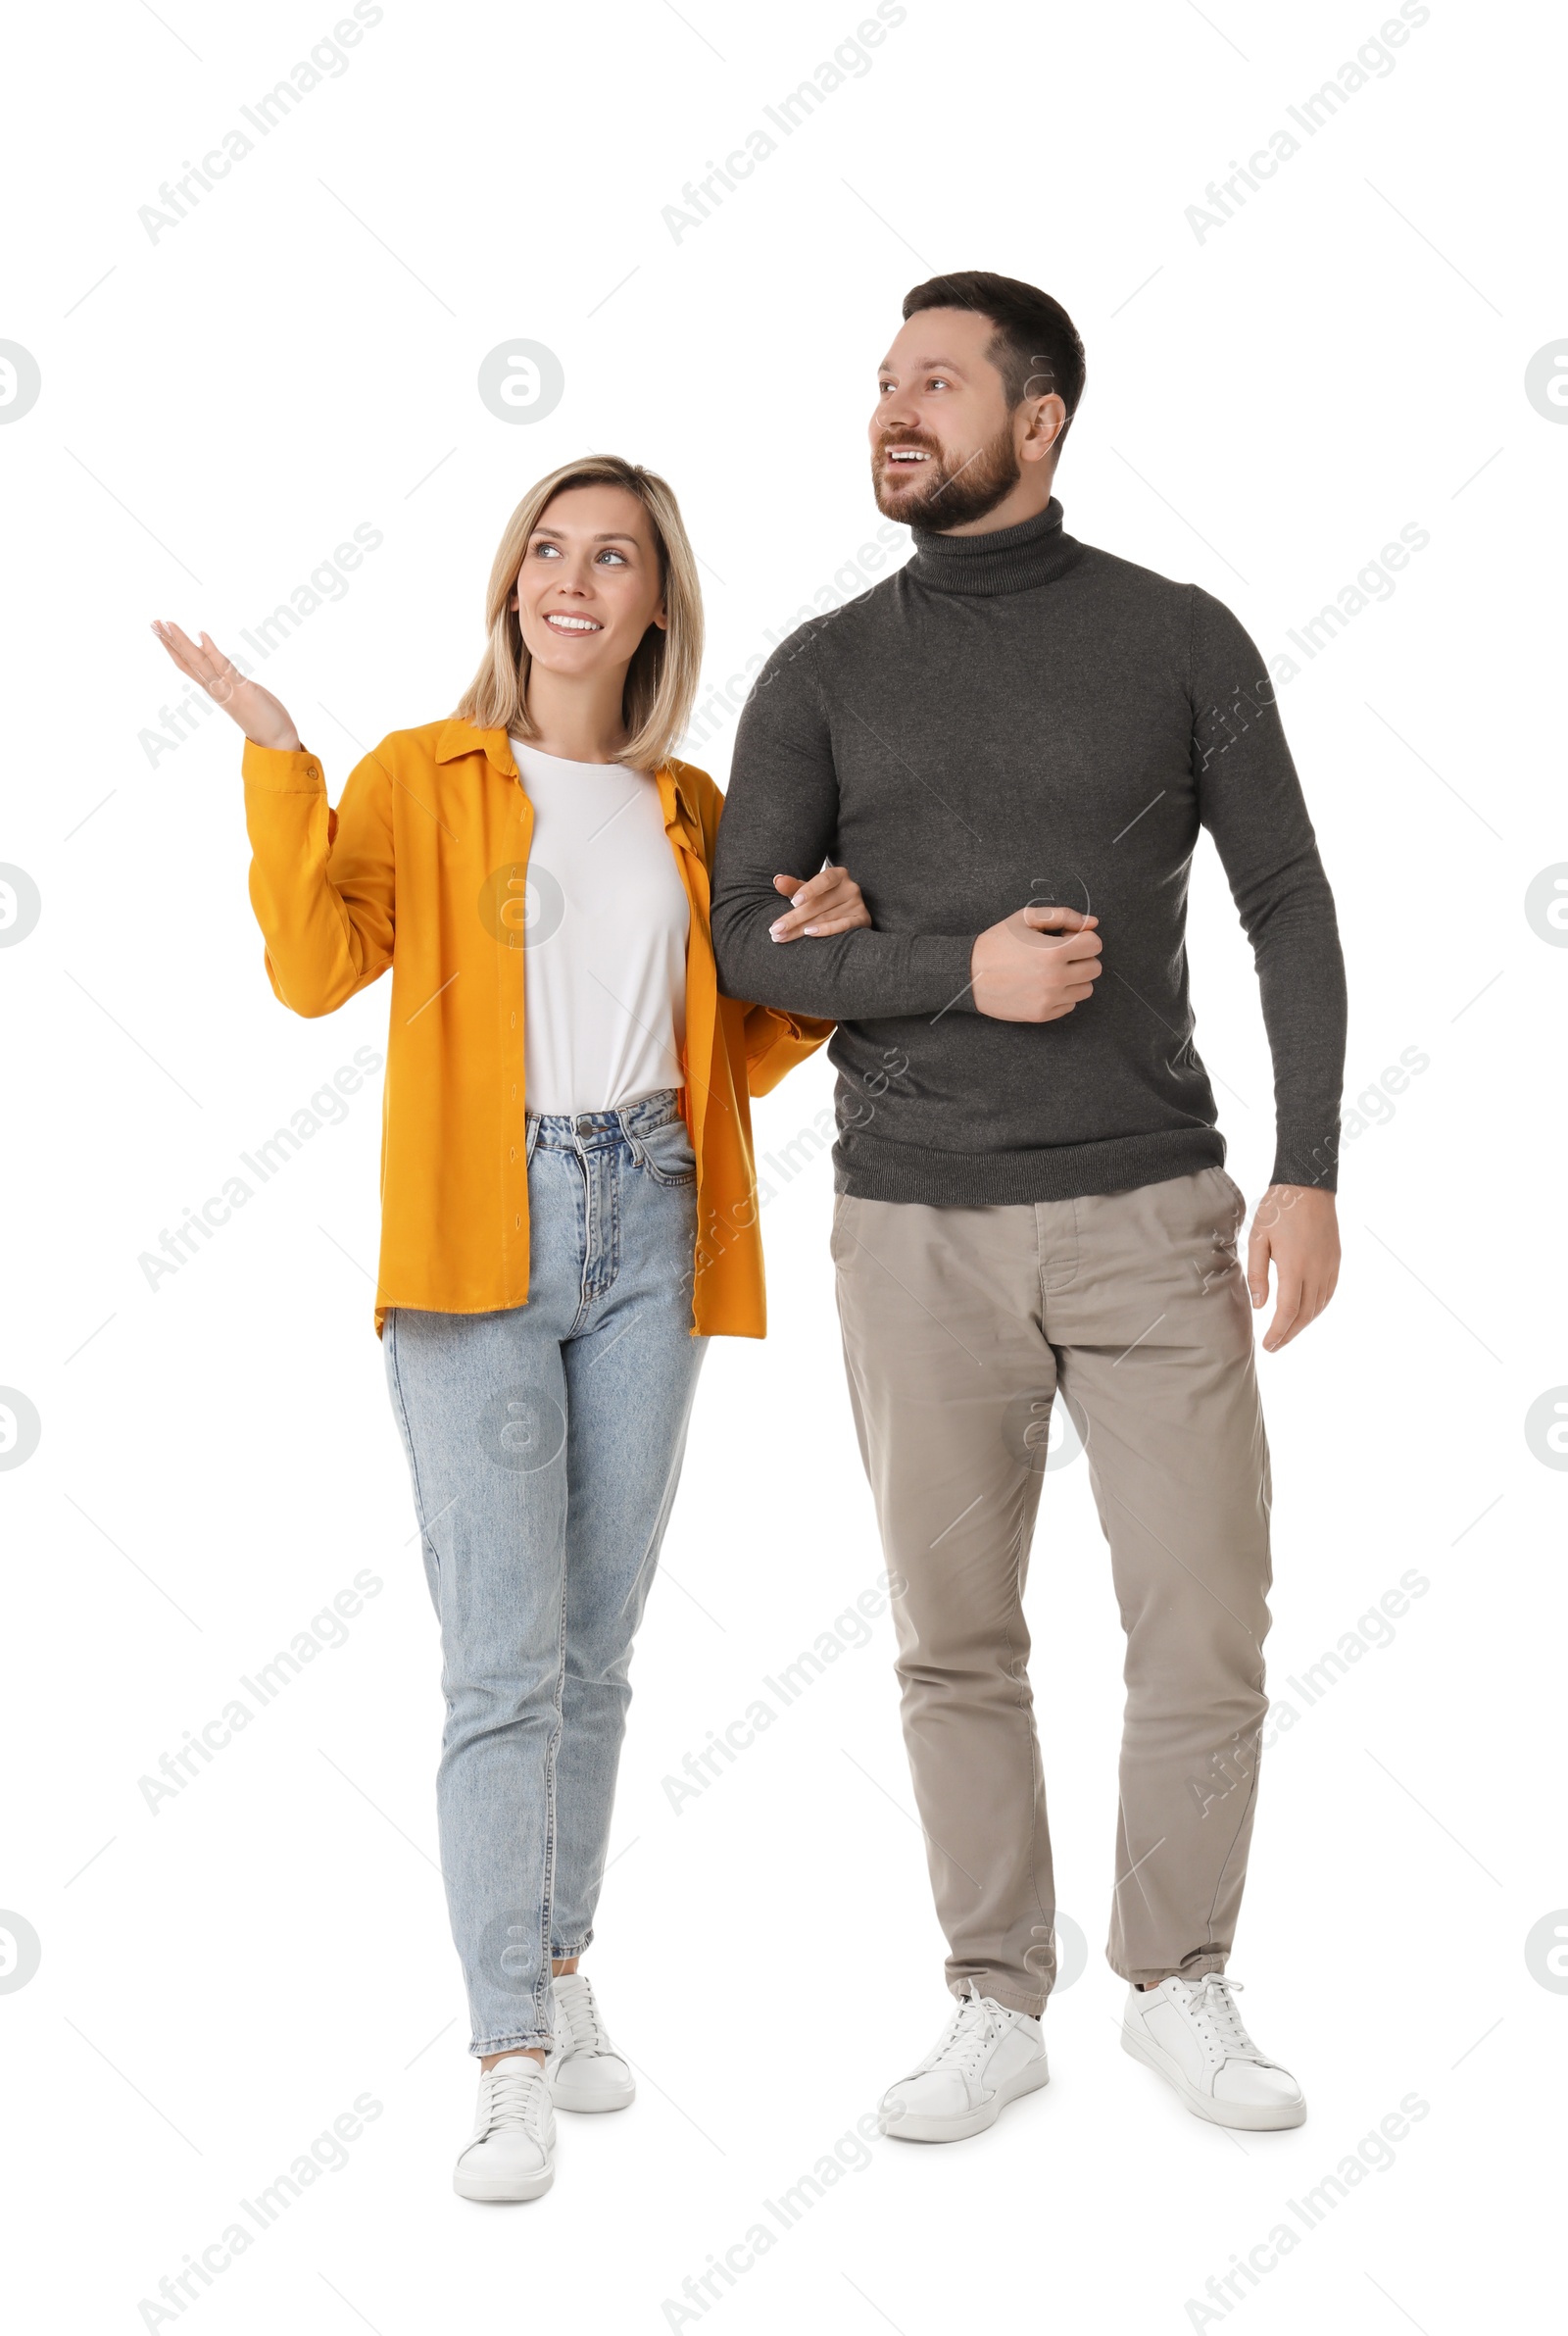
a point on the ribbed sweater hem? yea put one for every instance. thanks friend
(870, 1168)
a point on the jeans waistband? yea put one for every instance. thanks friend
(588, 1131)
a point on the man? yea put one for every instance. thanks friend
(1013, 742)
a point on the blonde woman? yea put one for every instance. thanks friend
(568, 1203)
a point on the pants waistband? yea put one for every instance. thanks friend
(589, 1132)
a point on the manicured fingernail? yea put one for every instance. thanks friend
(798, 901)
(772, 930)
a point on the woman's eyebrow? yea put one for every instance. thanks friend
(610, 535)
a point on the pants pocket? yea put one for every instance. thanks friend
(664, 1153)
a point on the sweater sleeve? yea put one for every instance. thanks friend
(322, 881)
(1251, 801)
(781, 819)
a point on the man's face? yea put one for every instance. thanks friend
(944, 448)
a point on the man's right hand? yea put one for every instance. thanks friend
(1035, 965)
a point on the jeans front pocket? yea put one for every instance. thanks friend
(664, 1153)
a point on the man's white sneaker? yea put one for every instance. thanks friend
(584, 2069)
(513, 2151)
(1190, 2032)
(985, 2057)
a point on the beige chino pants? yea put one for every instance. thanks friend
(960, 1326)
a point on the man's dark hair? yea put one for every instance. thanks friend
(1035, 347)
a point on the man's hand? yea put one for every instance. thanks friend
(830, 902)
(1297, 1227)
(1035, 965)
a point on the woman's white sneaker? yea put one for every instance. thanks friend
(584, 2069)
(1190, 2032)
(511, 2154)
(985, 2057)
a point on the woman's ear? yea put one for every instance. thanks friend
(660, 618)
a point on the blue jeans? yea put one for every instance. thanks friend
(545, 1443)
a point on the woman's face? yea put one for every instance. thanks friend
(588, 587)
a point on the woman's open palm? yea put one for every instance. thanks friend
(260, 715)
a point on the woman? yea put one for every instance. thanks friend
(569, 1203)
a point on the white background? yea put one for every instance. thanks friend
(1267, 407)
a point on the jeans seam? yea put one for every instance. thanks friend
(584, 1298)
(408, 1439)
(547, 1895)
(614, 1175)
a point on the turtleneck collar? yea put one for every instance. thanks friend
(1007, 559)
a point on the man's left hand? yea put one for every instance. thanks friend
(1296, 1228)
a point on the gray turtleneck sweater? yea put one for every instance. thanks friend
(1019, 717)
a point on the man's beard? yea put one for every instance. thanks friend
(949, 497)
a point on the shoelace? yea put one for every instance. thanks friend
(1212, 2009)
(575, 1998)
(963, 2045)
(515, 2099)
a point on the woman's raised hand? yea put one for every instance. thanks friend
(260, 715)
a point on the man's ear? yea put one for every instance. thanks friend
(1043, 430)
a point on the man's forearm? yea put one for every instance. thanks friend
(855, 976)
(1302, 979)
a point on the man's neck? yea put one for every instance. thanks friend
(1024, 501)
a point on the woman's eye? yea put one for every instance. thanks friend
(545, 551)
(608, 553)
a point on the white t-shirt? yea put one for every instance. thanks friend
(604, 982)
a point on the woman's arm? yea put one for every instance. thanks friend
(775, 1039)
(322, 881)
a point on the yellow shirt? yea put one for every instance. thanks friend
(423, 866)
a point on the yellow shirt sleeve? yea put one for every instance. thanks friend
(322, 881)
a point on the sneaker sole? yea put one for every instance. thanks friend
(926, 2128)
(588, 2105)
(501, 2190)
(1243, 2116)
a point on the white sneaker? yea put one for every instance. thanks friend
(986, 2057)
(584, 2069)
(1190, 2032)
(512, 2151)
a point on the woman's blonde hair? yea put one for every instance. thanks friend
(663, 677)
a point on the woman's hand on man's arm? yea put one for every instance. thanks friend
(828, 903)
